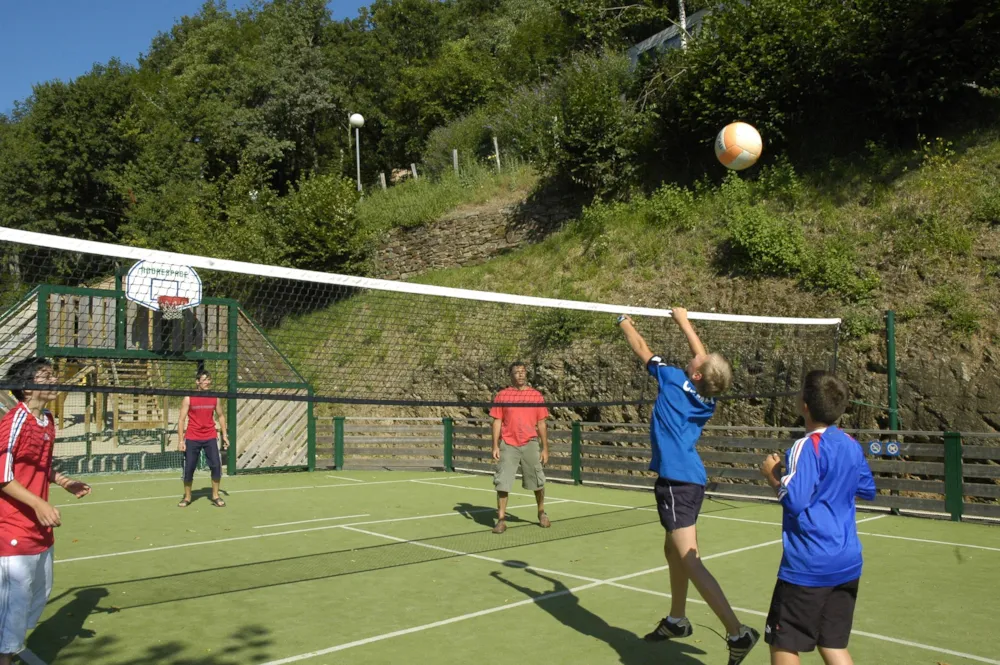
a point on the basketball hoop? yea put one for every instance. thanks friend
(170, 306)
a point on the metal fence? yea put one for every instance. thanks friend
(955, 474)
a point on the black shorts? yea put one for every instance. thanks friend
(678, 503)
(802, 618)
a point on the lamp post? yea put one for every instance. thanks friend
(357, 122)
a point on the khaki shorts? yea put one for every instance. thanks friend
(528, 459)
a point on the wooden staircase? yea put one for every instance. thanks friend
(131, 411)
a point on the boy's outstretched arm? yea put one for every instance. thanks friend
(680, 317)
(635, 340)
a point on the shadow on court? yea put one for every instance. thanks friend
(218, 580)
(248, 644)
(483, 515)
(565, 607)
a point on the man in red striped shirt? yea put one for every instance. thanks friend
(196, 432)
(27, 435)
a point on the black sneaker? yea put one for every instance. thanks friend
(741, 646)
(666, 630)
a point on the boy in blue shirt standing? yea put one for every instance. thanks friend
(684, 403)
(813, 600)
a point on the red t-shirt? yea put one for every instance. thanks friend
(519, 423)
(201, 421)
(25, 456)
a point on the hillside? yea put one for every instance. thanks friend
(915, 232)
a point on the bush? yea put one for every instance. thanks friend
(672, 207)
(763, 243)
(471, 135)
(962, 314)
(320, 226)
(599, 129)
(834, 267)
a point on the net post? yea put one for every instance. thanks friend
(953, 492)
(311, 434)
(449, 440)
(233, 371)
(121, 311)
(576, 453)
(338, 443)
(42, 322)
(890, 352)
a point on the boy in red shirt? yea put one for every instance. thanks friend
(516, 433)
(27, 435)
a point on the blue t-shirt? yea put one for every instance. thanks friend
(825, 471)
(679, 415)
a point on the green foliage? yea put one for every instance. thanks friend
(834, 266)
(673, 207)
(320, 226)
(470, 135)
(960, 309)
(761, 242)
(599, 129)
(556, 329)
(858, 324)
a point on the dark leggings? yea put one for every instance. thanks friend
(193, 452)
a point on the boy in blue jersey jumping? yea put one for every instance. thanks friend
(813, 600)
(684, 403)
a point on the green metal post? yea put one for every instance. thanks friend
(449, 440)
(233, 378)
(42, 327)
(954, 495)
(890, 353)
(338, 443)
(311, 435)
(121, 312)
(576, 453)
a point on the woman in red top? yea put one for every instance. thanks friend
(196, 432)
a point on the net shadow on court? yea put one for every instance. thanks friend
(161, 589)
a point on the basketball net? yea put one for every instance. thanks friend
(170, 306)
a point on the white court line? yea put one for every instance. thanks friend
(417, 517)
(30, 658)
(320, 519)
(473, 615)
(737, 519)
(614, 582)
(264, 535)
(871, 519)
(353, 480)
(931, 542)
(269, 489)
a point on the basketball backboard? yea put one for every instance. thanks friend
(147, 281)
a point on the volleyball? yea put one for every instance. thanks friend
(738, 146)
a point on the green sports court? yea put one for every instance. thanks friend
(395, 566)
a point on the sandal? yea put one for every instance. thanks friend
(218, 502)
(184, 503)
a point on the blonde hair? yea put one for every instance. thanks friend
(716, 375)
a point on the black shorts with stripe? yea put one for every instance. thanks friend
(802, 618)
(678, 503)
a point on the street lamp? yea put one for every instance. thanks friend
(357, 122)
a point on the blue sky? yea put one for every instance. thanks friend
(42, 40)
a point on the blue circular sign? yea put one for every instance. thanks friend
(892, 448)
(875, 447)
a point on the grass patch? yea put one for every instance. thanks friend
(412, 203)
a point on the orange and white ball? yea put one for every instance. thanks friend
(738, 146)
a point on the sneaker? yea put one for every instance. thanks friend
(500, 527)
(741, 646)
(543, 520)
(666, 630)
